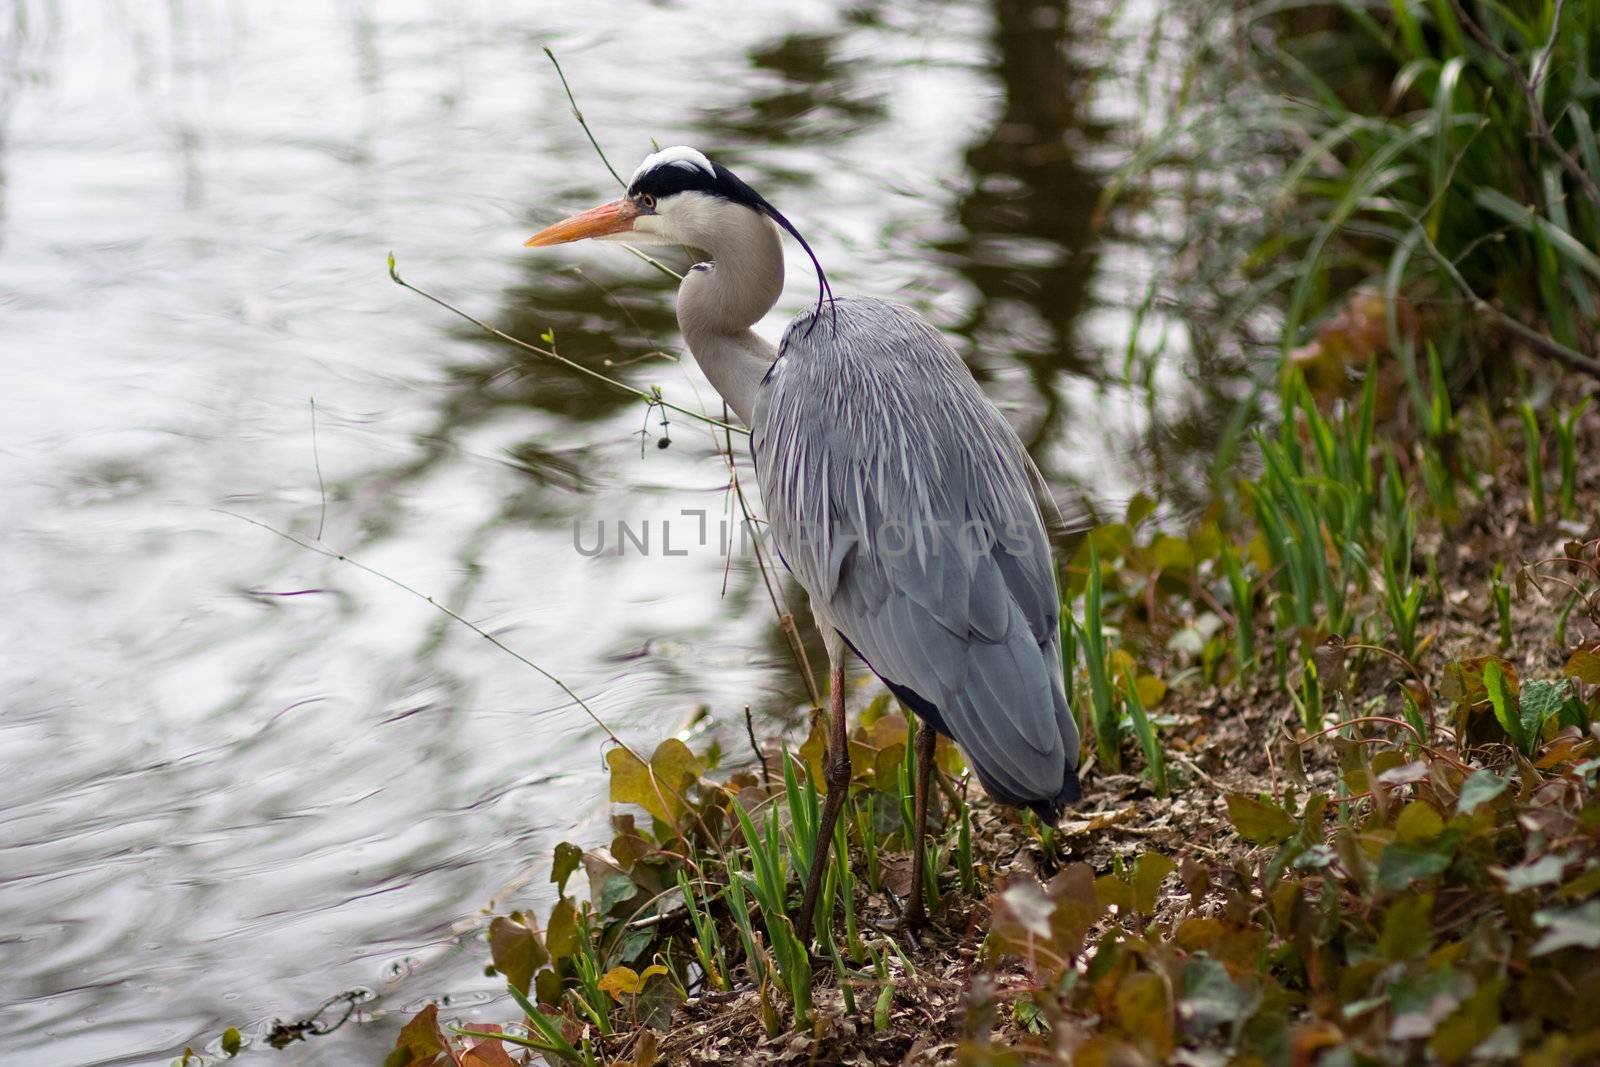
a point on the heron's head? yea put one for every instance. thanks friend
(679, 197)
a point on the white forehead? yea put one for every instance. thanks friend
(676, 156)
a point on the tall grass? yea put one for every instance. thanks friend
(1427, 153)
(1107, 717)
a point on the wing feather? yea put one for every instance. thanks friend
(903, 503)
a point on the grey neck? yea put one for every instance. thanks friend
(721, 299)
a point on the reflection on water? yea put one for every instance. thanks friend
(1026, 243)
(241, 778)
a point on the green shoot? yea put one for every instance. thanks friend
(1566, 431)
(1500, 596)
(1534, 457)
(1107, 723)
(1155, 759)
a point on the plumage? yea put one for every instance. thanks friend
(896, 493)
(902, 501)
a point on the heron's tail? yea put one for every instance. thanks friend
(1049, 811)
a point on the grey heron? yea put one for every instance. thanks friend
(896, 493)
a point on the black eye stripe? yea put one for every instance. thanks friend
(669, 179)
(666, 179)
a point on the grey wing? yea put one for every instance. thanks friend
(901, 500)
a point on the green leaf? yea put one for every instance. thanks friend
(1149, 871)
(1501, 699)
(1405, 927)
(1418, 1005)
(561, 934)
(1540, 702)
(1418, 822)
(615, 889)
(1260, 821)
(566, 861)
(1140, 507)
(1210, 998)
(1479, 788)
(516, 950)
(1400, 865)
(231, 1040)
(1143, 1009)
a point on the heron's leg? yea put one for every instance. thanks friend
(838, 779)
(927, 742)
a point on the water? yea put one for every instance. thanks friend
(239, 777)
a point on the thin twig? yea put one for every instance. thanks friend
(1397, 657)
(1541, 128)
(316, 459)
(1193, 768)
(474, 627)
(750, 731)
(1547, 345)
(579, 116)
(647, 397)
(655, 780)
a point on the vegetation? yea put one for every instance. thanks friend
(1359, 690)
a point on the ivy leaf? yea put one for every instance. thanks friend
(620, 982)
(487, 1052)
(1210, 998)
(1463, 681)
(1577, 927)
(420, 1041)
(1419, 1004)
(1546, 870)
(1143, 1010)
(658, 788)
(1140, 507)
(1479, 788)
(561, 935)
(1149, 871)
(615, 889)
(566, 861)
(1584, 665)
(1026, 904)
(625, 981)
(655, 1005)
(814, 752)
(1077, 907)
(1405, 774)
(1259, 821)
(1418, 822)
(516, 951)
(1405, 927)
(1400, 865)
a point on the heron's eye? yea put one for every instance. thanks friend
(647, 201)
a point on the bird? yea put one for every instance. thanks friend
(896, 493)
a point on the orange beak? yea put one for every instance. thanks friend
(602, 221)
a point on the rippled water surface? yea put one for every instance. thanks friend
(240, 778)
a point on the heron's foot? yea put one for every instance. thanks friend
(909, 918)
